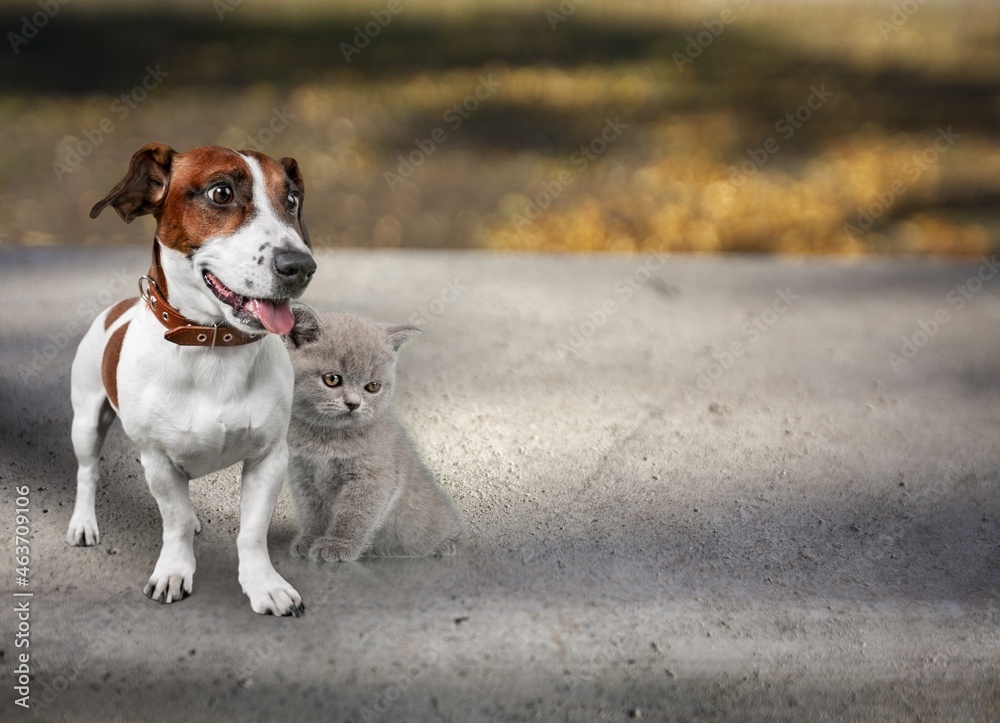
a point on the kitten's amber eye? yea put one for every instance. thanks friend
(332, 380)
(373, 387)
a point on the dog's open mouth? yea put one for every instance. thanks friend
(274, 315)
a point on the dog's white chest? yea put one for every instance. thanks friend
(205, 409)
(202, 442)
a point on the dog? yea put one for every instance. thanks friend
(195, 366)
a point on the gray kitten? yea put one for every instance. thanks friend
(358, 485)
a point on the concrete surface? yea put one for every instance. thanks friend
(696, 488)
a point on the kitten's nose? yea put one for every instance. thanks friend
(351, 406)
(295, 269)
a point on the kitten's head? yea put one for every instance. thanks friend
(345, 367)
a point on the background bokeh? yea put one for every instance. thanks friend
(740, 125)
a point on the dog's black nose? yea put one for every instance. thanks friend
(295, 269)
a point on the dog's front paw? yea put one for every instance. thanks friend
(270, 594)
(173, 576)
(169, 588)
(334, 549)
(83, 531)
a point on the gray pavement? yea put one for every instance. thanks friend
(696, 489)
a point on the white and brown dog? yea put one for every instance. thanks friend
(195, 368)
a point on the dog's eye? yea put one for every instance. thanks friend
(373, 387)
(332, 380)
(222, 194)
(292, 202)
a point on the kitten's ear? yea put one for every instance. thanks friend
(400, 334)
(307, 327)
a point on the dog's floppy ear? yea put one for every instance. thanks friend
(144, 187)
(295, 176)
(307, 327)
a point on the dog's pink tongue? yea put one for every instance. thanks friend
(276, 318)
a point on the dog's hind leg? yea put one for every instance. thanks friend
(92, 415)
(89, 429)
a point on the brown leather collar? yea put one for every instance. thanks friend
(180, 329)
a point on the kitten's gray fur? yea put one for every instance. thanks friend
(358, 485)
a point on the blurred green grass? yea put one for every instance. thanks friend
(398, 149)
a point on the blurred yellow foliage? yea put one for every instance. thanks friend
(795, 128)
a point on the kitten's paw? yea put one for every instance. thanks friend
(447, 548)
(302, 545)
(332, 549)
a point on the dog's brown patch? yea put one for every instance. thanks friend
(109, 364)
(115, 312)
(189, 217)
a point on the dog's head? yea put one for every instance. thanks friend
(231, 219)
